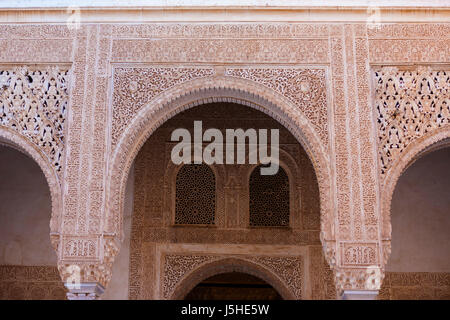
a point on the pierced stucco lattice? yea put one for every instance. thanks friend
(269, 199)
(34, 103)
(409, 104)
(195, 200)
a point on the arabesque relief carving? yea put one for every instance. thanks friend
(135, 87)
(120, 68)
(176, 266)
(154, 207)
(269, 199)
(30, 283)
(34, 102)
(415, 286)
(288, 269)
(409, 104)
(305, 87)
(359, 254)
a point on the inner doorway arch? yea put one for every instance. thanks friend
(226, 266)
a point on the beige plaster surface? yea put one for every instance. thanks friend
(220, 11)
(220, 3)
(118, 287)
(421, 216)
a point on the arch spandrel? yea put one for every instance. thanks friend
(217, 89)
(232, 264)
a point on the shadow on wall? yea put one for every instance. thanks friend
(419, 265)
(233, 286)
(27, 259)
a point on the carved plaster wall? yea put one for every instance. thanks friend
(31, 283)
(173, 66)
(415, 286)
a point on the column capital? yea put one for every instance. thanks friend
(354, 281)
(86, 267)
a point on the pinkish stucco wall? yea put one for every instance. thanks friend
(420, 215)
(118, 286)
(25, 209)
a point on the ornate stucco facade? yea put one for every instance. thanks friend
(359, 99)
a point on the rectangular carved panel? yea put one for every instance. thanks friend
(31, 282)
(359, 254)
(415, 286)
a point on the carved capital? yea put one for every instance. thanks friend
(87, 270)
(110, 251)
(369, 278)
(84, 281)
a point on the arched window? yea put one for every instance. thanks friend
(195, 199)
(269, 199)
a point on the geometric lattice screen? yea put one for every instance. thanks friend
(269, 199)
(195, 196)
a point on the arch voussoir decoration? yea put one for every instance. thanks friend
(196, 268)
(201, 89)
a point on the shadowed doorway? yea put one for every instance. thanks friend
(233, 286)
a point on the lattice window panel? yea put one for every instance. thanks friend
(195, 199)
(269, 199)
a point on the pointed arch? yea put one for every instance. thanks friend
(208, 90)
